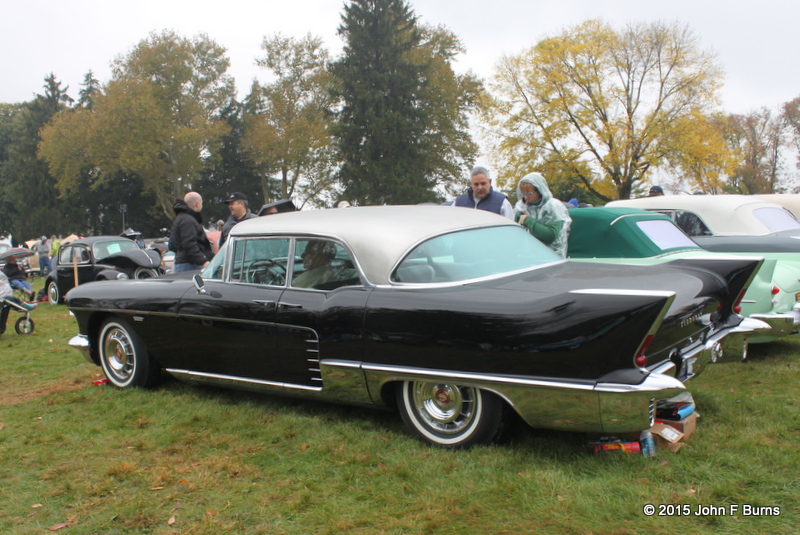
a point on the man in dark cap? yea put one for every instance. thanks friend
(655, 191)
(237, 204)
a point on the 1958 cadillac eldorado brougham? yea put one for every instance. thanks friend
(452, 317)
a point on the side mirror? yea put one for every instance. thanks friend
(199, 284)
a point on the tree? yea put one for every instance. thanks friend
(288, 130)
(91, 87)
(608, 106)
(401, 112)
(156, 120)
(757, 139)
(29, 196)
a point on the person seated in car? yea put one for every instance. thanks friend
(317, 258)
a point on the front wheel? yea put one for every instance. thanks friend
(24, 325)
(145, 273)
(450, 415)
(53, 295)
(124, 357)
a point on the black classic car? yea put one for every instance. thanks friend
(99, 258)
(450, 316)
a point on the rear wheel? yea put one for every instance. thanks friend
(450, 415)
(24, 325)
(124, 357)
(53, 295)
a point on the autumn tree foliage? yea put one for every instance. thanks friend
(157, 119)
(286, 129)
(756, 140)
(607, 107)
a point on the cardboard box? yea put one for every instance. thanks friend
(671, 435)
(667, 437)
(685, 426)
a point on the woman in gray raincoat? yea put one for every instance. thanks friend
(546, 218)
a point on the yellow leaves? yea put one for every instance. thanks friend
(611, 103)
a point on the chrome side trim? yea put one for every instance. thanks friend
(231, 381)
(462, 282)
(81, 343)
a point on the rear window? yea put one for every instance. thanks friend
(666, 235)
(107, 248)
(776, 219)
(472, 254)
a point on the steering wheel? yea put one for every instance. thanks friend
(257, 266)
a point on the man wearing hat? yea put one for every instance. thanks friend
(237, 204)
(655, 191)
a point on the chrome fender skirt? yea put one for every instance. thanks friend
(597, 407)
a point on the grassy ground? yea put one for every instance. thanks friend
(86, 459)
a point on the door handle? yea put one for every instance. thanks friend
(289, 305)
(263, 302)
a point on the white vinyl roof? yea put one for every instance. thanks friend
(723, 214)
(378, 235)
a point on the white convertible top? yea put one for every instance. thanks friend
(723, 214)
(378, 235)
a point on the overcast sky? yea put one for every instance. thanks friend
(756, 41)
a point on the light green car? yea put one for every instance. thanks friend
(639, 237)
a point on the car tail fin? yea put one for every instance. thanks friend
(737, 271)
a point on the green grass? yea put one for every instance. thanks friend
(195, 460)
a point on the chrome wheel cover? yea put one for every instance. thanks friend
(446, 409)
(118, 355)
(52, 293)
(145, 273)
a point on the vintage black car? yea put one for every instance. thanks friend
(451, 316)
(99, 258)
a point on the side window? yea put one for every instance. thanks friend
(322, 265)
(691, 223)
(260, 261)
(76, 254)
(65, 255)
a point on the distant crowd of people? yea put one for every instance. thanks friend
(542, 215)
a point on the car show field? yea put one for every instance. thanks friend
(81, 456)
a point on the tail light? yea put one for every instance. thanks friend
(641, 357)
(775, 290)
(737, 305)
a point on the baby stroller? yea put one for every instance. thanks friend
(24, 324)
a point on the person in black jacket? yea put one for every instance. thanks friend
(192, 248)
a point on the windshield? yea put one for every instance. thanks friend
(103, 249)
(471, 254)
(776, 219)
(214, 268)
(666, 235)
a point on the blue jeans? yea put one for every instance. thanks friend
(44, 266)
(177, 268)
(23, 285)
